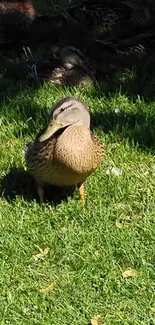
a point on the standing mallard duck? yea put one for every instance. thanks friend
(71, 69)
(66, 152)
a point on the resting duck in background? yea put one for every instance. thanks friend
(71, 69)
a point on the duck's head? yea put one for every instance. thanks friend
(72, 57)
(66, 112)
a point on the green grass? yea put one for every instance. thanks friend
(88, 252)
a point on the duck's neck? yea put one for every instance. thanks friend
(83, 123)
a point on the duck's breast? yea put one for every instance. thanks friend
(74, 149)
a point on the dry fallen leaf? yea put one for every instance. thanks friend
(152, 309)
(123, 224)
(13, 143)
(140, 290)
(64, 229)
(96, 320)
(129, 273)
(48, 289)
(43, 252)
(114, 170)
(98, 252)
(118, 224)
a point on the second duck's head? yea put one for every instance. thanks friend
(66, 112)
(72, 57)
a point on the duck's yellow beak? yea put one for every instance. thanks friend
(51, 129)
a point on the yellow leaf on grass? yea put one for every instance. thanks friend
(13, 143)
(123, 223)
(118, 224)
(152, 309)
(96, 320)
(98, 252)
(48, 289)
(43, 252)
(129, 273)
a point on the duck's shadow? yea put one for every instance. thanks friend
(19, 182)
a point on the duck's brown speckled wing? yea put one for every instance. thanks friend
(65, 159)
(100, 148)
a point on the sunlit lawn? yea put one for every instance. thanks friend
(92, 246)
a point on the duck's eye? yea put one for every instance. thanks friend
(61, 110)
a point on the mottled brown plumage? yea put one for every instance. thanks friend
(67, 152)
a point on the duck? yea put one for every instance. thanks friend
(65, 152)
(70, 69)
(16, 18)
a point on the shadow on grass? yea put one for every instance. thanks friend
(18, 182)
(137, 127)
(132, 72)
(131, 76)
(14, 79)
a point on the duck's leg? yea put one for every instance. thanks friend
(82, 192)
(41, 193)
